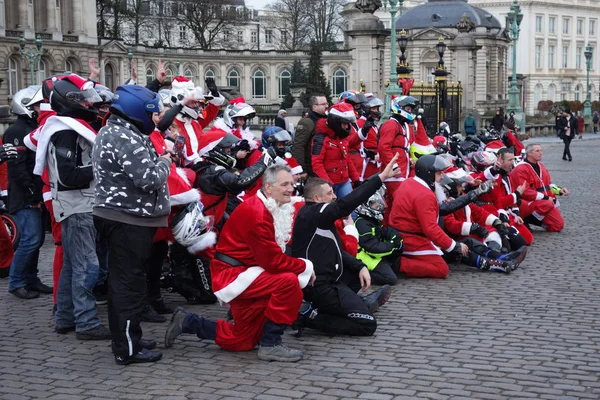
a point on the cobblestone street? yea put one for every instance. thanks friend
(532, 334)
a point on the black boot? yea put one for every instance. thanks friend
(487, 264)
(378, 298)
(150, 315)
(160, 307)
(516, 257)
(306, 312)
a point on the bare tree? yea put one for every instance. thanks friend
(137, 17)
(110, 18)
(325, 21)
(290, 17)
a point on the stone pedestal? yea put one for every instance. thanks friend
(297, 90)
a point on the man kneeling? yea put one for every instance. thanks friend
(262, 285)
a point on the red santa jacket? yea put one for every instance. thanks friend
(330, 156)
(192, 130)
(538, 186)
(512, 140)
(502, 198)
(415, 214)
(395, 137)
(249, 237)
(459, 223)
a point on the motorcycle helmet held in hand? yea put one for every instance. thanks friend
(341, 113)
(221, 154)
(192, 229)
(278, 139)
(400, 106)
(136, 104)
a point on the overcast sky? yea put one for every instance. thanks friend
(258, 3)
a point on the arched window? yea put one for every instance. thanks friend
(339, 81)
(150, 75)
(285, 78)
(188, 73)
(68, 66)
(578, 90)
(170, 73)
(233, 78)
(259, 85)
(210, 73)
(41, 73)
(537, 94)
(109, 77)
(551, 92)
(13, 76)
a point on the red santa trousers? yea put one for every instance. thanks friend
(546, 212)
(425, 266)
(276, 297)
(58, 252)
(525, 233)
(390, 188)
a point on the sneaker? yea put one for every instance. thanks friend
(517, 257)
(378, 298)
(150, 315)
(98, 333)
(175, 327)
(160, 307)
(41, 288)
(144, 356)
(279, 353)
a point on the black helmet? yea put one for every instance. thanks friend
(427, 166)
(221, 153)
(75, 97)
(338, 113)
(451, 181)
(278, 139)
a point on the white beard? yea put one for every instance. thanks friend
(283, 218)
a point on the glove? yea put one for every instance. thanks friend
(370, 123)
(479, 230)
(370, 154)
(484, 188)
(7, 152)
(503, 217)
(398, 243)
(556, 189)
(212, 86)
(497, 223)
(457, 251)
(356, 184)
(242, 145)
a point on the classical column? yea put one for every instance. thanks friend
(23, 15)
(464, 49)
(51, 16)
(78, 16)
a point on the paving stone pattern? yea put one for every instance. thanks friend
(531, 335)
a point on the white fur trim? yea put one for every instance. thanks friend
(47, 196)
(209, 239)
(489, 176)
(297, 170)
(193, 159)
(4, 193)
(539, 196)
(218, 101)
(514, 195)
(493, 237)
(490, 219)
(181, 172)
(361, 135)
(351, 230)
(449, 249)
(30, 140)
(185, 198)
(466, 228)
(305, 276)
(239, 284)
(538, 216)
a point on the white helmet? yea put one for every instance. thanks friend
(192, 229)
(237, 110)
(165, 96)
(22, 99)
(181, 87)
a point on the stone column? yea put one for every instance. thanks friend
(464, 51)
(77, 17)
(23, 15)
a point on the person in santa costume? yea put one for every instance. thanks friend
(371, 164)
(251, 272)
(539, 202)
(415, 214)
(505, 197)
(193, 117)
(396, 136)
(359, 129)
(235, 121)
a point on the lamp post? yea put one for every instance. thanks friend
(587, 107)
(441, 80)
(130, 58)
(515, 16)
(392, 87)
(33, 56)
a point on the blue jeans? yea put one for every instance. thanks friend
(76, 304)
(102, 253)
(24, 266)
(342, 189)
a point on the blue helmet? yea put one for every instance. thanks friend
(399, 105)
(136, 105)
(277, 138)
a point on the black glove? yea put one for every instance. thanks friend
(370, 154)
(503, 217)
(479, 230)
(242, 145)
(497, 223)
(398, 243)
(367, 126)
(356, 184)
(212, 86)
(457, 250)
(7, 152)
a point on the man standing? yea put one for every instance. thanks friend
(539, 204)
(339, 309)
(251, 272)
(301, 149)
(131, 202)
(470, 125)
(25, 202)
(570, 129)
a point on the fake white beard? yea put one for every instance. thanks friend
(283, 218)
(439, 193)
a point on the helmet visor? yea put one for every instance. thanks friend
(440, 164)
(85, 98)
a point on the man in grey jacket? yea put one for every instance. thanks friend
(131, 202)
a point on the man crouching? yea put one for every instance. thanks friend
(262, 285)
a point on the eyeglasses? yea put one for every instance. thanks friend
(322, 104)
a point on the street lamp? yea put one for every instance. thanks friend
(33, 56)
(130, 57)
(403, 69)
(587, 107)
(515, 16)
(392, 87)
(441, 80)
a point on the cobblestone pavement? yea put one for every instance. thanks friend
(532, 334)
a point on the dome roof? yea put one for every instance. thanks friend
(445, 14)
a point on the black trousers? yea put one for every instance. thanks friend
(567, 150)
(385, 273)
(340, 310)
(129, 248)
(159, 253)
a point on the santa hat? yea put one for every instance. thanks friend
(293, 164)
(343, 110)
(181, 191)
(210, 140)
(494, 146)
(181, 82)
(237, 100)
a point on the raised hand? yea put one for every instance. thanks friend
(94, 70)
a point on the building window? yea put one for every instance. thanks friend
(284, 37)
(565, 87)
(592, 27)
(259, 85)
(537, 94)
(150, 74)
(188, 73)
(538, 56)
(565, 57)
(429, 77)
(551, 92)
(253, 37)
(233, 79)
(109, 77)
(210, 73)
(552, 25)
(13, 76)
(269, 36)
(578, 56)
(170, 74)
(68, 66)
(551, 57)
(285, 78)
(580, 27)
(240, 37)
(41, 73)
(339, 81)
(566, 22)
(226, 36)
(182, 34)
(538, 23)
(578, 89)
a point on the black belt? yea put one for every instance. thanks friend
(543, 188)
(228, 260)
(355, 152)
(484, 203)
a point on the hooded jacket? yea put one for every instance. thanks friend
(330, 156)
